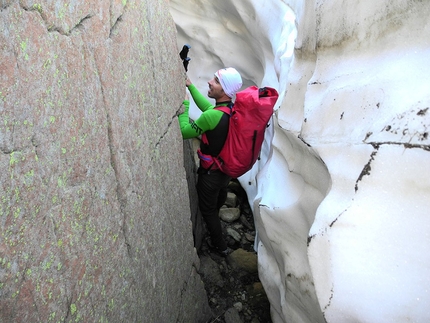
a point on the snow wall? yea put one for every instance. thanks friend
(341, 195)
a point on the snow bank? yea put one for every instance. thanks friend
(341, 197)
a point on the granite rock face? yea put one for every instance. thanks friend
(94, 206)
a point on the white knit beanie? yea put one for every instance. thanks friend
(230, 80)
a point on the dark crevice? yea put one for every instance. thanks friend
(56, 29)
(80, 25)
(53, 28)
(35, 7)
(174, 119)
(114, 29)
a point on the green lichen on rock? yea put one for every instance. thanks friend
(84, 196)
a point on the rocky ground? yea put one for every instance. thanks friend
(234, 290)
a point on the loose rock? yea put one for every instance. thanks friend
(241, 298)
(234, 234)
(229, 214)
(210, 271)
(249, 237)
(232, 316)
(238, 306)
(231, 200)
(243, 260)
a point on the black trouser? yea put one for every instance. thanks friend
(212, 192)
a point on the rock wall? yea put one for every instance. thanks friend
(94, 205)
(341, 197)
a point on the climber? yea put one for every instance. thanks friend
(211, 184)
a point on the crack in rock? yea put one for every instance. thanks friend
(122, 199)
(114, 29)
(53, 28)
(78, 27)
(167, 130)
(114, 26)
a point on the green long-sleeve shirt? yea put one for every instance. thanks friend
(208, 120)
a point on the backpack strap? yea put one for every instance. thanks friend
(227, 109)
(209, 162)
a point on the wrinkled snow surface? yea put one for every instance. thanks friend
(341, 198)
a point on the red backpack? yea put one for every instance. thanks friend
(249, 117)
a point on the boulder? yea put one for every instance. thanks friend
(229, 214)
(241, 259)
